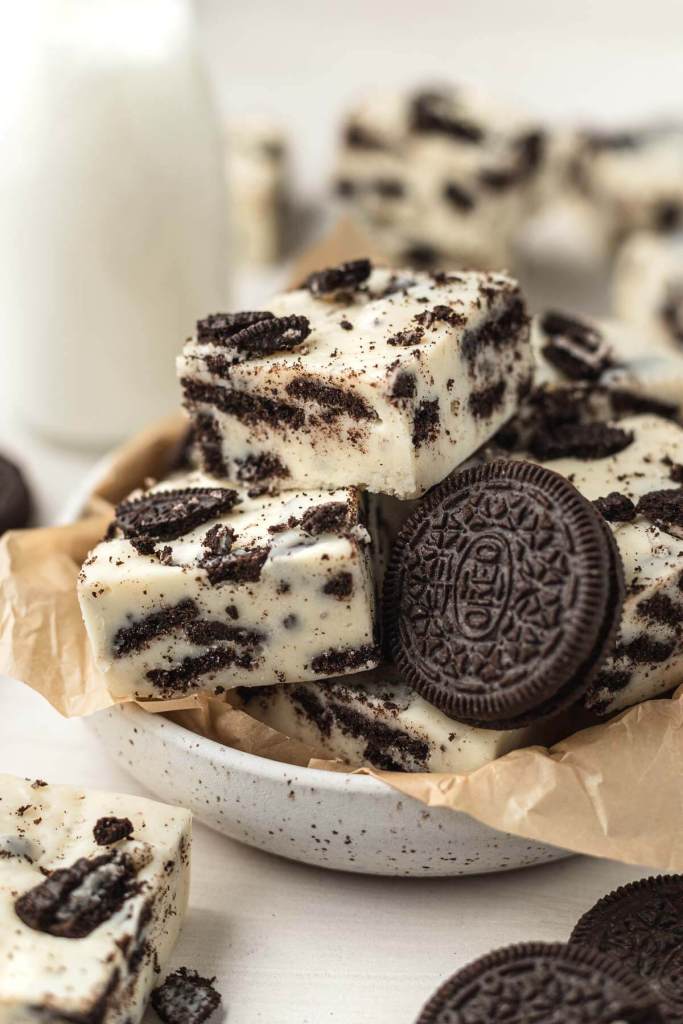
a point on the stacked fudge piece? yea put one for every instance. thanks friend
(441, 176)
(93, 890)
(402, 449)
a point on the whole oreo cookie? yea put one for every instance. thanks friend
(503, 595)
(543, 983)
(15, 497)
(642, 925)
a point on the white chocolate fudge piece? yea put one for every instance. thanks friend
(590, 370)
(203, 587)
(648, 287)
(374, 718)
(367, 377)
(257, 174)
(635, 177)
(93, 890)
(441, 176)
(647, 660)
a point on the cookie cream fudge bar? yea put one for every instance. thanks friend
(441, 176)
(257, 171)
(93, 890)
(647, 287)
(590, 370)
(633, 176)
(385, 380)
(633, 471)
(374, 718)
(203, 585)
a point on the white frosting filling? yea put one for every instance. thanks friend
(43, 976)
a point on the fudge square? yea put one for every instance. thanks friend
(93, 890)
(202, 585)
(384, 380)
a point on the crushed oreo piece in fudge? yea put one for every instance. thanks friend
(334, 662)
(357, 136)
(247, 408)
(166, 515)
(441, 314)
(73, 901)
(579, 441)
(458, 197)
(275, 334)
(335, 401)
(432, 112)
(625, 402)
(339, 586)
(496, 333)
(205, 632)
(264, 466)
(182, 676)
(389, 188)
(408, 336)
(141, 632)
(575, 348)
(185, 998)
(343, 278)
(208, 439)
(405, 385)
(426, 422)
(220, 328)
(420, 255)
(663, 508)
(616, 508)
(219, 539)
(238, 567)
(328, 518)
(111, 830)
(482, 404)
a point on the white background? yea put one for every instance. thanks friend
(291, 944)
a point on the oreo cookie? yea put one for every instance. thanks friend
(166, 515)
(540, 983)
(503, 595)
(185, 998)
(15, 497)
(642, 925)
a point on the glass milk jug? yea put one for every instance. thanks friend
(112, 212)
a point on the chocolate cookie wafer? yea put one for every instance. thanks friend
(15, 497)
(642, 924)
(503, 595)
(543, 983)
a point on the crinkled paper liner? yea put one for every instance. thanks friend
(614, 790)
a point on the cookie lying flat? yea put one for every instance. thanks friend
(648, 287)
(201, 586)
(642, 925)
(440, 176)
(374, 718)
(15, 497)
(539, 983)
(503, 595)
(362, 377)
(185, 998)
(93, 889)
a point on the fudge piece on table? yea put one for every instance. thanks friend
(204, 585)
(633, 469)
(635, 177)
(376, 719)
(592, 370)
(440, 176)
(93, 890)
(257, 173)
(648, 287)
(369, 377)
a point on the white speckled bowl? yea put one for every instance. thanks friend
(347, 822)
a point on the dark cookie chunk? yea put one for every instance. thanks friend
(73, 901)
(257, 468)
(458, 197)
(407, 337)
(502, 595)
(339, 586)
(441, 314)
(15, 497)
(616, 508)
(111, 830)
(334, 662)
(210, 444)
(426, 422)
(165, 515)
(641, 924)
(497, 332)
(220, 328)
(421, 255)
(331, 517)
(663, 508)
(274, 334)
(625, 402)
(543, 983)
(667, 216)
(575, 348)
(344, 278)
(219, 539)
(186, 998)
(205, 632)
(482, 404)
(432, 112)
(389, 188)
(181, 677)
(334, 400)
(579, 441)
(240, 567)
(356, 136)
(672, 313)
(405, 385)
(247, 408)
(141, 632)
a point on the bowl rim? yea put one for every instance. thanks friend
(241, 760)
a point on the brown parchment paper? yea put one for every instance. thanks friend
(614, 790)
